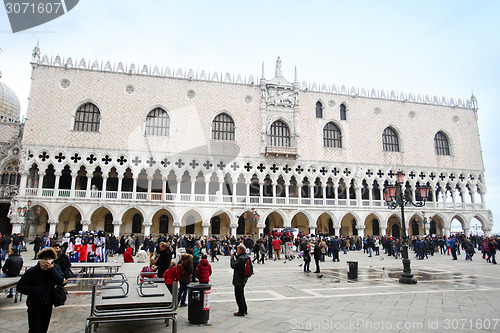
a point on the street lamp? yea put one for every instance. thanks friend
(395, 197)
(254, 218)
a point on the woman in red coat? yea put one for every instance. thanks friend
(204, 270)
(171, 275)
(127, 256)
(83, 252)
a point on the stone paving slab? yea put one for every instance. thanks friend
(455, 296)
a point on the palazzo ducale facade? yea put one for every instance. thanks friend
(148, 150)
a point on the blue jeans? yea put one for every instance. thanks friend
(182, 292)
(11, 291)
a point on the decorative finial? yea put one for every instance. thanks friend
(473, 100)
(296, 74)
(262, 69)
(36, 52)
(278, 68)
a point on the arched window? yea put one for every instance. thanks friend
(223, 128)
(319, 110)
(441, 144)
(280, 134)
(390, 140)
(157, 123)
(332, 136)
(343, 112)
(88, 118)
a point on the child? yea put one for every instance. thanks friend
(171, 275)
(204, 270)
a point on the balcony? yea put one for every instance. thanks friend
(269, 201)
(282, 151)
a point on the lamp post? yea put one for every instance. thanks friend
(254, 218)
(395, 197)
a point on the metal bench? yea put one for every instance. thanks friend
(136, 308)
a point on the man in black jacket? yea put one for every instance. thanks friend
(317, 255)
(12, 267)
(37, 242)
(164, 259)
(238, 262)
(38, 283)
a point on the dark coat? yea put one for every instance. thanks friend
(164, 260)
(37, 243)
(39, 284)
(307, 255)
(63, 262)
(335, 244)
(317, 252)
(13, 265)
(238, 266)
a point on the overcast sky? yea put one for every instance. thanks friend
(444, 48)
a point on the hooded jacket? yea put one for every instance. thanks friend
(203, 271)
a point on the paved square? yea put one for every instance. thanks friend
(455, 296)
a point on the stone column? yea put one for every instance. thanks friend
(287, 193)
(234, 226)
(248, 192)
(56, 183)
(22, 184)
(73, 183)
(348, 195)
(119, 189)
(312, 230)
(116, 228)
(164, 181)
(473, 197)
(487, 232)
(177, 228)
(88, 188)
(261, 229)
(383, 231)
(150, 185)
(40, 183)
(359, 196)
(221, 190)
(207, 189)
(134, 187)
(337, 231)
(193, 183)
(361, 231)
(324, 188)
(466, 232)
(261, 192)
(85, 225)
(52, 226)
(234, 192)
(147, 228)
(336, 194)
(370, 195)
(205, 226)
(447, 232)
(104, 185)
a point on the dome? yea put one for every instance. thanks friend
(10, 108)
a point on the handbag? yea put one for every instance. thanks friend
(60, 294)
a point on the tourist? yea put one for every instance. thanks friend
(12, 267)
(127, 256)
(171, 275)
(262, 251)
(307, 258)
(163, 259)
(185, 270)
(317, 255)
(204, 270)
(276, 243)
(238, 262)
(196, 258)
(38, 283)
(63, 262)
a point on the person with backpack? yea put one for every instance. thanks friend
(185, 270)
(239, 263)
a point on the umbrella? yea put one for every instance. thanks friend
(288, 229)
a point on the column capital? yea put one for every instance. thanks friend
(117, 222)
(54, 222)
(85, 222)
(147, 224)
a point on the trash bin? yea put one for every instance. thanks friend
(199, 303)
(352, 270)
